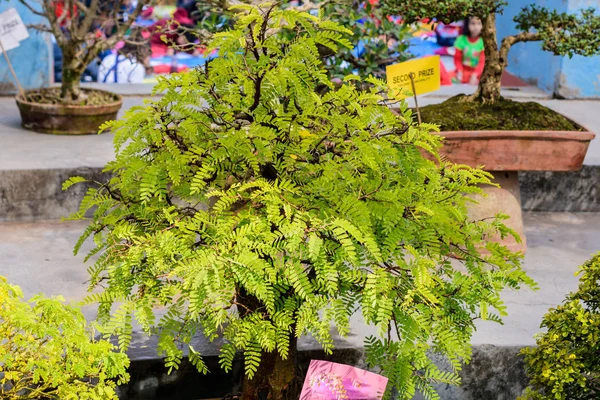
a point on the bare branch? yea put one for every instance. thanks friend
(122, 29)
(31, 9)
(90, 14)
(48, 7)
(67, 7)
(82, 7)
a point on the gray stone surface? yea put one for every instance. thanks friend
(38, 256)
(22, 150)
(28, 195)
(561, 191)
(494, 373)
(25, 150)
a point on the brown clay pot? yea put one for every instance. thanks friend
(504, 153)
(63, 119)
(518, 150)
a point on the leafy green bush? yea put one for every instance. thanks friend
(47, 352)
(252, 207)
(566, 362)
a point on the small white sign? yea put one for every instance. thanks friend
(8, 42)
(11, 22)
(12, 29)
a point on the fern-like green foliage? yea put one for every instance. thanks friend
(250, 206)
(48, 352)
(565, 364)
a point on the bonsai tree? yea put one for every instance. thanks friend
(75, 25)
(48, 352)
(566, 363)
(560, 33)
(254, 208)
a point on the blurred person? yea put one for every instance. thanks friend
(129, 64)
(469, 58)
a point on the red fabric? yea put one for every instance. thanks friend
(467, 72)
(59, 8)
(458, 60)
(445, 77)
(166, 69)
(183, 17)
(147, 13)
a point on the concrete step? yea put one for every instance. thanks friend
(38, 257)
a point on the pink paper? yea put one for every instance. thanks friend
(331, 381)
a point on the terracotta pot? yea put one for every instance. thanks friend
(504, 153)
(518, 150)
(67, 119)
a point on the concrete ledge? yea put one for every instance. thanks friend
(561, 191)
(28, 195)
(123, 89)
(36, 194)
(495, 372)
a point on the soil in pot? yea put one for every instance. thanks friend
(455, 114)
(89, 98)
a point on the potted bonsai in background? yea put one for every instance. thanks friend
(75, 26)
(503, 135)
(253, 207)
(560, 33)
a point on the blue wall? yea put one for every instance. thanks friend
(578, 77)
(32, 60)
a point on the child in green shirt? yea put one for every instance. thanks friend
(469, 57)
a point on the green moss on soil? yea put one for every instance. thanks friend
(505, 115)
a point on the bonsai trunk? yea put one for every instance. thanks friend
(70, 88)
(276, 378)
(488, 90)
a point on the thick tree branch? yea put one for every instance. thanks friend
(89, 15)
(509, 41)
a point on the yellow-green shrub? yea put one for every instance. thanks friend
(566, 362)
(48, 352)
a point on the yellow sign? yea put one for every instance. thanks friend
(425, 72)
